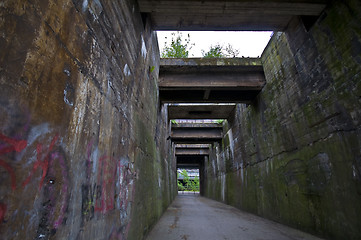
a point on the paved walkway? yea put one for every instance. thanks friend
(191, 217)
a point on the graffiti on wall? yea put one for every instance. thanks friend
(110, 185)
(29, 157)
(35, 184)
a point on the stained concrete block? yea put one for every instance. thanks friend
(296, 148)
(81, 130)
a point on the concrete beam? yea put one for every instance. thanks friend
(194, 162)
(196, 133)
(218, 111)
(191, 152)
(192, 149)
(200, 146)
(238, 15)
(236, 80)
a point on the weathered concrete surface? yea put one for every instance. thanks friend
(192, 217)
(201, 111)
(82, 140)
(200, 80)
(196, 133)
(191, 149)
(294, 154)
(228, 15)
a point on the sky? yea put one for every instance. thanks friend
(249, 44)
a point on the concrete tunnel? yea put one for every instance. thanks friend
(87, 148)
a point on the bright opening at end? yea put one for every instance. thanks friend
(188, 180)
(248, 44)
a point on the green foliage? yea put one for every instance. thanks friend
(218, 51)
(188, 183)
(214, 52)
(219, 121)
(180, 186)
(151, 69)
(195, 185)
(178, 47)
(186, 180)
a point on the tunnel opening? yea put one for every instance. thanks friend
(189, 173)
(227, 44)
(87, 147)
(188, 180)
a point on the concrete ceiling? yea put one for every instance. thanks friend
(237, 15)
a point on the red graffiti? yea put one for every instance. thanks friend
(2, 212)
(42, 161)
(11, 172)
(15, 145)
(107, 179)
(115, 180)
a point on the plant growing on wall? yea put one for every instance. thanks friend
(178, 47)
(218, 51)
(220, 121)
(214, 52)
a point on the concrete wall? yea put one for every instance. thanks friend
(82, 140)
(294, 154)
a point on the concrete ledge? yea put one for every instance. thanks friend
(210, 80)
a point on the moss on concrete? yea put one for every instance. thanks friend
(296, 158)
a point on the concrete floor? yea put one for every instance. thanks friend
(191, 217)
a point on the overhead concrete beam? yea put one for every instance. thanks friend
(200, 146)
(196, 133)
(192, 150)
(218, 111)
(237, 80)
(239, 15)
(190, 161)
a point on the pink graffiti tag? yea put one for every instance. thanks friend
(43, 163)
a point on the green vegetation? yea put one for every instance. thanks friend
(219, 121)
(218, 51)
(214, 52)
(188, 184)
(180, 185)
(178, 47)
(151, 69)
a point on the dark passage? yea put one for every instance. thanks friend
(91, 131)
